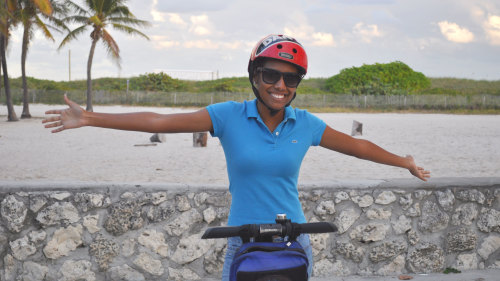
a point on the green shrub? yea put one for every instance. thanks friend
(157, 82)
(378, 79)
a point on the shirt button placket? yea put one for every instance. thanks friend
(276, 135)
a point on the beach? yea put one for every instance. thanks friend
(448, 145)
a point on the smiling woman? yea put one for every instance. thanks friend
(264, 140)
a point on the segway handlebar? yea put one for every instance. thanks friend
(257, 231)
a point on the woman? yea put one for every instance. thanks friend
(264, 140)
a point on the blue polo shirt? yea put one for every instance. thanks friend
(263, 166)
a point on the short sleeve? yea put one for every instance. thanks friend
(219, 113)
(317, 126)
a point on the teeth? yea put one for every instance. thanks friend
(278, 96)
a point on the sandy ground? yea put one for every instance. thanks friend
(448, 145)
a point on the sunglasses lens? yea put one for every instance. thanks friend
(271, 76)
(291, 80)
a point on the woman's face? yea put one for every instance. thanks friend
(270, 82)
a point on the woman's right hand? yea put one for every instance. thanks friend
(69, 118)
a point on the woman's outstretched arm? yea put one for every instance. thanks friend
(75, 117)
(367, 150)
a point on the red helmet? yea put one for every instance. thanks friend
(280, 47)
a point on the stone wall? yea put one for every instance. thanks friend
(101, 231)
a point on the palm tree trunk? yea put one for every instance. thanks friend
(11, 114)
(89, 78)
(26, 108)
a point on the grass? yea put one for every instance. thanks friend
(460, 111)
(471, 89)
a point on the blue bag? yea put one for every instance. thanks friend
(270, 261)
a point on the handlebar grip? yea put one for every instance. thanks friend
(316, 227)
(221, 232)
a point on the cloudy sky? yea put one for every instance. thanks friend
(447, 38)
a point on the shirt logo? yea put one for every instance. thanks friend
(295, 141)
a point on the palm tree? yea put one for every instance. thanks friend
(31, 17)
(8, 9)
(99, 15)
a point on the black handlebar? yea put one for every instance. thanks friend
(262, 231)
(317, 227)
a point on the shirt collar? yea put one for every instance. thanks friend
(252, 111)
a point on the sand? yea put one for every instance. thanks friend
(448, 145)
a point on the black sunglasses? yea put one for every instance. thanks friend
(271, 76)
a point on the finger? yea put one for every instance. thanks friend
(422, 177)
(51, 119)
(52, 125)
(70, 102)
(422, 170)
(421, 173)
(426, 175)
(58, 130)
(54, 111)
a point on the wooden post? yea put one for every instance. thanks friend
(158, 138)
(357, 128)
(200, 139)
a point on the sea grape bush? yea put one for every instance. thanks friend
(395, 78)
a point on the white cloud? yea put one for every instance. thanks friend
(306, 33)
(366, 31)
(212, 45)
(192, 6)
(162, 42)
(301, 33)
(157, 15)
(453, 32)
(16, 36)
(323, 39)
(201, 44)
(492, 28)
(201, 25)
(176, 19)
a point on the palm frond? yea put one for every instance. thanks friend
(7, 17)
(44, 6)
(121, 11)
(60, 8)
(107, 6)
(58, 24)
(11, 5)
(129, 30)
(76, 19)
(53, 28)
(44, 28)
(93, 4)
(75, 7)
(72, 35)
(127, 20)
(111, 46)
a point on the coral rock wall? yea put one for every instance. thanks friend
(148, 232)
